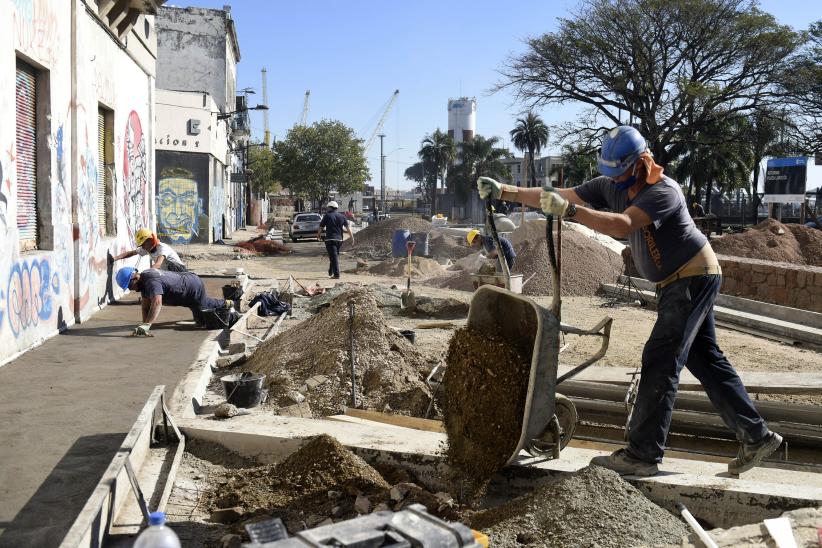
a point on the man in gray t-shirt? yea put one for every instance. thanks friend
(649, 210)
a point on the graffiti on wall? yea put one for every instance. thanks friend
(62, 211)
(36, 30)
(217, 209)
(4, 202)
(29, 296)
(182, 197)
(135, 176)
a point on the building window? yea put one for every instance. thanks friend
(105, 169)
(26, 150)
(519, 168)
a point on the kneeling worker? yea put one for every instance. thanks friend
(159, 288)
(163, 257)
(477, 240)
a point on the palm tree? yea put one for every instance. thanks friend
(437, 150)
(530, 134)
(479, 157)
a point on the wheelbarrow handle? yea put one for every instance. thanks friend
(602, 329)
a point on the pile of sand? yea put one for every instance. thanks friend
(586, 264)
(389, 370)
(771, 240)
(265, 247)
(443, 246)
(483, 401)
(374, 242)
(593, 507)
(421, 267)
(459, 280)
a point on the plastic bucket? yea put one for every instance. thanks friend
(409, 334)
(233, 292)
(398, 242)
(243, 389)
(421, 241)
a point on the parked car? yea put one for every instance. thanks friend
(304, 225)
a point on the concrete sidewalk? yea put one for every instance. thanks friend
(69, 403)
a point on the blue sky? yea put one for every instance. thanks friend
(353, 54)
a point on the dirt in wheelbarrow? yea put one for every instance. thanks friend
(484, 387)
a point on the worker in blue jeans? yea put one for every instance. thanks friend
(334, 222)
(649, 209)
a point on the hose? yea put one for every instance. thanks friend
(492, 225)
(552, 257)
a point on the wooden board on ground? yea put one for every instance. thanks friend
(416, 423)
(755, 381)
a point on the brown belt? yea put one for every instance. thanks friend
(690, 272)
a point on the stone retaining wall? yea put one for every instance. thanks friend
(778, 283)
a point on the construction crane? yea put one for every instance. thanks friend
(377, 129)
(266, 131)
(304, 117)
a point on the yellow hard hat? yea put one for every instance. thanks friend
(142, 235)
(471, 235)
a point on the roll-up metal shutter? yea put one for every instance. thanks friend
(26, 145)
(101, 169)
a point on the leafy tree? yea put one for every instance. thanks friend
(580, 163)
(673, 66)
(478, 157)
(315, 160)
(803, 86)
(425, 175)
(530, 134)
(437, 149)
(261, 167)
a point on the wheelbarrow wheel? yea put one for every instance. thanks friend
(563, 423)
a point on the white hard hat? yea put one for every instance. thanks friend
(333, 204)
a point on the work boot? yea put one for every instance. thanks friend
(228, 304)
(625, 465)
(752, 454)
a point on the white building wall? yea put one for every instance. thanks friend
(67, 278)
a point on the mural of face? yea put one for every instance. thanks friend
(178, 209)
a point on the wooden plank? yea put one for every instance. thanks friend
(762, 382)
(416, 423)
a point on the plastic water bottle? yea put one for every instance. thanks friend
(157, 535)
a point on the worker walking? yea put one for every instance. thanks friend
(477, 240)
(163, 257)
(649, 209)
(334, 222)
(159, 287)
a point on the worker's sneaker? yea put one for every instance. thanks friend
(753, 454)
(625, 465)
(228, 304)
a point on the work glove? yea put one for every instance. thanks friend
(489, 188)
(552, 203)
(142, 329)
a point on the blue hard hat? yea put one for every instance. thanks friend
(124, 275)
(621, 148)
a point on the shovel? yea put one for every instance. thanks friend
(407, 299)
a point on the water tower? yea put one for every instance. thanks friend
(462, 118)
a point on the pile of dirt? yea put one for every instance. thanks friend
(421, 267)
(265, 247)
(483, 401)
(586, 264)
(322, 480)
(374, 242)
(593, 507)
(312, 359)
(459, 280)
(443, 246)
(771, 240)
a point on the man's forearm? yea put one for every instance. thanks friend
(154, 310)
(530, 196)
(616, 225)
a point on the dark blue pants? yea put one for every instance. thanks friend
(333, 249)
(201, 301)
(685, 335)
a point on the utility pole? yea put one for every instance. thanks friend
(382, 175)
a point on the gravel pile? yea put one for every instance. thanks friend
(313, 360)
(593, 507)
(374, 242)
(483, 401)
(771, 240)
(586, 264)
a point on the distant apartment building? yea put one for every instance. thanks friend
(548, 170)
(76, 157)
(198, 52)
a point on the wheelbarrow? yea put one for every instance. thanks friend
(549, 418)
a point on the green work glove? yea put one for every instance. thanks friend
(552, 203)
(142, 329)
(489, 188)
